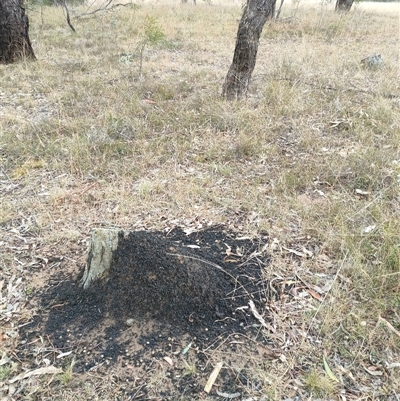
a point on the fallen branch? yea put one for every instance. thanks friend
(332, 88)
(389, 326)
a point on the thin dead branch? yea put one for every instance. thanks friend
(332, 88)
(64, 4)
(279, 10)
(104, 7)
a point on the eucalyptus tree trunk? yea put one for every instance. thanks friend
(255, 14)
(14, 32)
(344, 5)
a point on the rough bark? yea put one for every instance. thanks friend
(102, 245)
(251, 24)
(343, 5)
(14, 32)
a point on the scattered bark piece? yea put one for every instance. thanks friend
(213, 377)
(36, 372)
(260, 318)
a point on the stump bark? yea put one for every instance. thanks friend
(103, 242)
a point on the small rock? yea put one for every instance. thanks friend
(375, 61)
(129, 322)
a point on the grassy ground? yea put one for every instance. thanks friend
(311, 157)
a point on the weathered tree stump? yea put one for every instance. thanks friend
(103, 242)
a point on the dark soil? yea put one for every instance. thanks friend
(164, 292)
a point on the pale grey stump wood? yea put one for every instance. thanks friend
(102, 244)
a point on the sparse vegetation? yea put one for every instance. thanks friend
(5, 372)
(68, 372)
(319, 385)
(151, 35)
(310, 158)
(190, 369)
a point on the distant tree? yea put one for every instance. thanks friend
(343, 5)
(255, 14)
(14, 32)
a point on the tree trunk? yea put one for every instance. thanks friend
(343, 5)
(253, 19)
(14, 27)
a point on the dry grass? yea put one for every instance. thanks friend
(311, 157)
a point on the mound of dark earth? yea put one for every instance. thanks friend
(164, 291)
